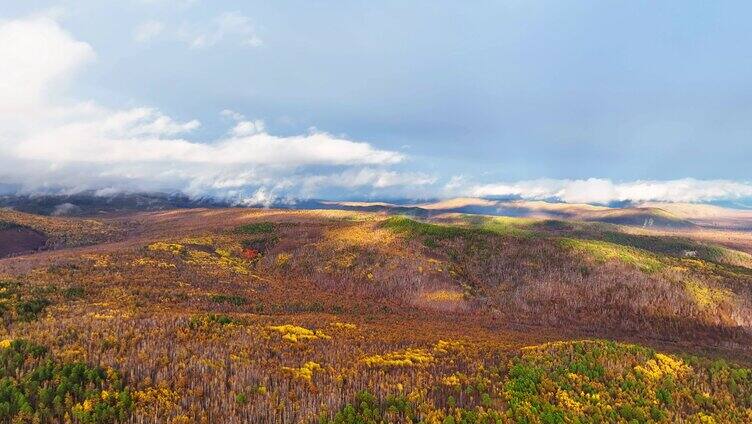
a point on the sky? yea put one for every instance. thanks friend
(260, 102)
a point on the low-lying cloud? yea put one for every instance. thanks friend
(50, 142)
(596, 190)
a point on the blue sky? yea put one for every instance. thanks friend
(417, 99)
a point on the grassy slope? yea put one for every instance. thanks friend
(708, 288)
(602, 242)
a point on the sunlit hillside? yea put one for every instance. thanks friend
(243, 315)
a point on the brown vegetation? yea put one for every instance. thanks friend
(334, 303)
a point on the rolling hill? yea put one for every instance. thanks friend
(647, 215)
(262, 315)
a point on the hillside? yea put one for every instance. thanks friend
(653, 215)
(708, 215)
(24, 232)
(262, 315)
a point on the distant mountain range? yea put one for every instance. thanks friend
(90, 203)
(648, 214)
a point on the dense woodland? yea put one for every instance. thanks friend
(238, 315)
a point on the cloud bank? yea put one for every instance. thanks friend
(596, 190)
(50, 142)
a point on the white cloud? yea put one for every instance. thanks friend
(174, 2)
(369, 177)
(457, 182)
(596, 190)
(118, 139)
(50, 142)
(148, 30)
(232, 114)
(54, 143)
(229, 25)
(35, 55)
(262, 197)
(245, 128)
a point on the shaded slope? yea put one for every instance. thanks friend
(16, 239)
(23, 232)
